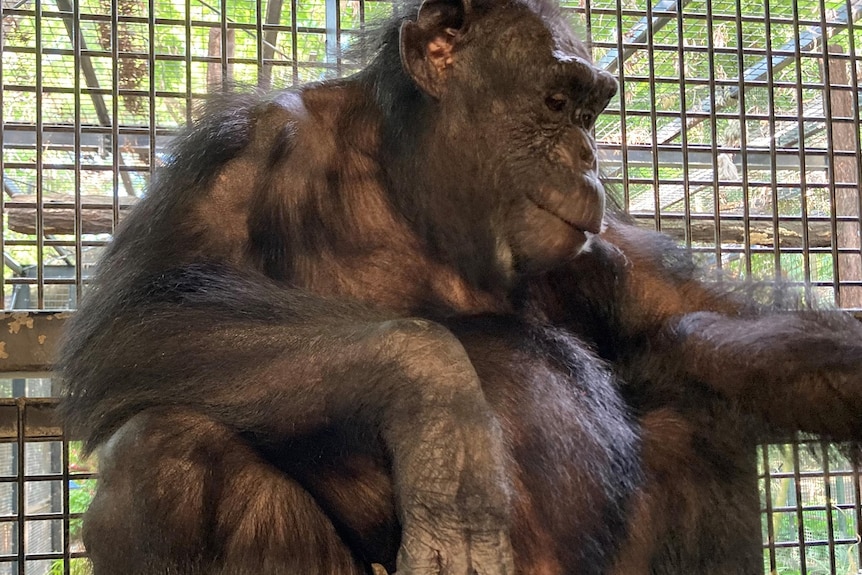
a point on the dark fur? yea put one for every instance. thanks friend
(336, 333)
(708, 373)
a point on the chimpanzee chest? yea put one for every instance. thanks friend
(575, 451)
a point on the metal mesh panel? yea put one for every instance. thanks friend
(809, 493)
(44, 486)
(736, 131)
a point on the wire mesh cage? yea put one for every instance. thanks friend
(736, 130)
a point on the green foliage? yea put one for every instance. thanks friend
(76, 567)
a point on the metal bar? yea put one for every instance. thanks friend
(713, 136)
(803, 180)
(743, 140)
(67, 543)
(115, 110)
(656, 185)
(21, 486)
(225, 46)
(827, 487)
(857, 499)
(767, 489)
(857, 137)
(333, 46)
(40, 247)
(830, 146)
(77, 45)
(294, 40)
(152, 102)
(773, 152)
(683, 107)
(6, 256)
(621, 78)
(262, 69)
(188, 60)
(800, 517)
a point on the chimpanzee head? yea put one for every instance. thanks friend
(514, 98)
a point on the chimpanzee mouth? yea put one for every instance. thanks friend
(585, 217)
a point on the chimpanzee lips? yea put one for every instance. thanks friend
(582, 209)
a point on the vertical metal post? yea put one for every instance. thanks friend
(21, 472)
(115, 111)
(683, 107)
(294, 41)
(803, 180)
(773, 164)
(2, 164)
(76, 83)
(713, 133)
(767, 489)
(40, 181)
(333, 34)
(743, 141)
(656, 184)
(826, 97)
(621, 78)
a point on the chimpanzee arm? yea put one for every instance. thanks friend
(275, 363)
(636, 295)
(797, 370)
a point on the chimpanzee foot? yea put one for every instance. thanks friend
(455, 552)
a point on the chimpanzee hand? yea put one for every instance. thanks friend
(454, 552)
(448, 455)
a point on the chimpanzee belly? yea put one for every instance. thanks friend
(574, 454)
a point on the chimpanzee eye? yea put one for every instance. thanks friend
(556, 102)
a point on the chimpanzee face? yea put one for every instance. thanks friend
(517, 90)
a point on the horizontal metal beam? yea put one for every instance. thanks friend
(696, 158)
(29, 419)
(705, 159)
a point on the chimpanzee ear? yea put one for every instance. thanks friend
(428, 44)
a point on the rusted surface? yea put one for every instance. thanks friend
(38, 415)
(29, 340)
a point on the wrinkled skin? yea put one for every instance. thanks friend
(385, 320)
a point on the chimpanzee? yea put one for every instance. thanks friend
(385, 319)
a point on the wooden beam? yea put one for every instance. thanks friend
(733, 232)
(58, 214)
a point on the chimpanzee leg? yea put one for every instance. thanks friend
(273, 364)
(697, 511)
(181, 494)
